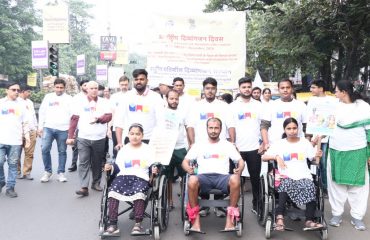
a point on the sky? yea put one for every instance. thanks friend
(129, 18)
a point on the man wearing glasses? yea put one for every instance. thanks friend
(13, 127)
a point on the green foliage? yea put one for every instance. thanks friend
(2, 92)
(37, 97)
(18, 19)
(80, 41)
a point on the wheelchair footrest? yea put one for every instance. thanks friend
(144, 233)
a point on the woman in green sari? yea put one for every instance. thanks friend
(349, 155)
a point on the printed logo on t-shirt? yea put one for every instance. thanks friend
(213, 156)
(136, 163)
(246, 115)
(8, 111)
(293, 156)
(138, 108)
(90, 109)
(286, 114)
(53, 104)
(206, 116)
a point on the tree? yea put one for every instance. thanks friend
(80, 42)
(18, 20)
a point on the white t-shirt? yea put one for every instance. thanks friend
(213, 157)
(87, 111)
(277, 111)
(114, 101)
(353, 138)
(55, 111)
(175, 120)
(31, 114)
(135, 161)
(146, 109)
(295, 157)
(12, 116)
(247, 117)
(314, 104)
(203, 110)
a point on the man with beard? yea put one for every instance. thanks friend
(212, 172)
(247, 113)
(175, 120)
(82, 93)
(278, 111)
(140, 105)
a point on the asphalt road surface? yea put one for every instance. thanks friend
(52, 211)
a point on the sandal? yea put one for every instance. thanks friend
(279, 224)
(311, 226)
(137, 229)
(112, 230)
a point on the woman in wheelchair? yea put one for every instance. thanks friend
(130, 182)
(296, 181)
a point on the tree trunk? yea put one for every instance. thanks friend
(325, 72)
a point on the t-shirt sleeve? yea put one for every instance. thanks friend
(228, 114)
(119, 116)
(310, 150)
(193, 152)
(266, 112)
(273, 150)
(234, 154)
(304, 112)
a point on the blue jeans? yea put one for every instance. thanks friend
(12, 153)
(48, 136)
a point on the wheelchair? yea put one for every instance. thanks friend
(238, 224)
(156, 198)
(268, 198)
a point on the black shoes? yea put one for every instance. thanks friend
(73, 167)
(84, 192)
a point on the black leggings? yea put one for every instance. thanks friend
(253, 162)
(310, 207)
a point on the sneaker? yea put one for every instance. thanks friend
(204, 211)
(335, 221)
(358, 224)
(254, 210)
(62, 178)
(220, 212)
(11, 193)
(46, 177)
(2, 184)
(19, 176)
(27, 177)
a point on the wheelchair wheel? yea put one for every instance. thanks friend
(262, 201)
(103, 210)
(186, 227)
(183, 197)
(268, 228)
(239, 233)
(163, 209)
(241, 203)
(156, 233)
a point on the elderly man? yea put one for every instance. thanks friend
(13, 126)
(91, 115)
(212, 171)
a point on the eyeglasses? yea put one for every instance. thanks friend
(15, 89)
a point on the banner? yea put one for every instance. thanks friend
(32, 79)
(108, 48)
(40, 59)
(196, 47)
(101, 73)
(122, 54)
(80, 65)
(56, 23)
(321, 118)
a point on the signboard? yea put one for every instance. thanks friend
(32, 79)
(114, 73)
(108, 43)
(81, 64)
(321, 116)
(108, 56)
(101, 72)
(122, 54)
(40, 59)
(196, 47)
(56, 23)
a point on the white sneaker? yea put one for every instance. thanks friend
(62, 178)
(46, 177)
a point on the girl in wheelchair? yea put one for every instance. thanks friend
(131, 181)
(296, 181)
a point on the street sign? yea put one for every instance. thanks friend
(101, 72)
(32, 79)
(108, 56)
(81, 64)
(56, 23)
(39, 54)
(108, 43)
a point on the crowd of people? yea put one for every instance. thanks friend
(212, 130)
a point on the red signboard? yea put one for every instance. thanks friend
(108, 56)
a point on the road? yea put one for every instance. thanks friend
(45, 211)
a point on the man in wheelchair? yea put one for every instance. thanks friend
(131, 180)
(212, 172)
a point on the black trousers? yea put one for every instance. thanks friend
(253, 162)
(114, 139)
(310, 207)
